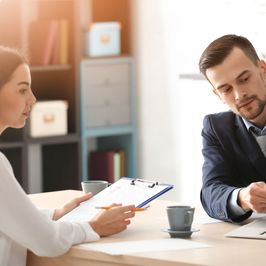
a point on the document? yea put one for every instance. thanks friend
(255, 229)
(129, 247)
(125, 191)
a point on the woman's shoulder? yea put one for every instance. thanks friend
(4, 162)
(3, 158)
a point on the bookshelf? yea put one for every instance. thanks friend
(44, 163)
(108, 122)
(61, 162)
(104, 128)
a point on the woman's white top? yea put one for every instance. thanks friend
(23, 226)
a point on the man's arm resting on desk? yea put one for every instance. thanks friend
(216, 200)
(248, 199)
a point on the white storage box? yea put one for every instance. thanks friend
(48, 118)
(103, 39)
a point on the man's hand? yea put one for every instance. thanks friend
(113, 220)
(70, 206)
(253, 197)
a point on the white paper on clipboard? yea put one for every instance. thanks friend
(125, 191)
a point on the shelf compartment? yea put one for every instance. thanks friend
(56, 85)
(117, 142)
(12, 135)
(11, 145)
(61, 166)
(54, 139)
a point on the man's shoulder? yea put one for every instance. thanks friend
(222, 120)
(222, 116)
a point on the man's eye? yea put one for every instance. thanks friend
(245, 79)
(226, 90)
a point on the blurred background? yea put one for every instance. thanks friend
(127, 72)
(169, 37)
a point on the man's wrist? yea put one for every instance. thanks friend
(233, 206)
(241, 203)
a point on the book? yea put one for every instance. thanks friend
(63, 42)
(122, 163)
(56, 51)
(42, 40)
(101, 165)
(117, 162)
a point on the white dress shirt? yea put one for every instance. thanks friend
(23, 226)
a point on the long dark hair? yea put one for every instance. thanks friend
(10, 59)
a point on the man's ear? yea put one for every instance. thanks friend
(262, 66)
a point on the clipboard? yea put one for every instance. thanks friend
(125, 191)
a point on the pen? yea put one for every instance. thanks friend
(109, 207)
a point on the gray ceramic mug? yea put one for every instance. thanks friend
(94, 186)
(180, 218)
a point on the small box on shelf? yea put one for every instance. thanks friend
(48, 118)
(103, 39)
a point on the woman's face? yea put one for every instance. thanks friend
(16, 99)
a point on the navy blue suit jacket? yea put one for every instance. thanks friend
(232, 159)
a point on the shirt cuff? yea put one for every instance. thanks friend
(48, 212)
(91, 235)
(234, 208)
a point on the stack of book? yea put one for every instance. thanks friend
(48, 42)
(109, 165)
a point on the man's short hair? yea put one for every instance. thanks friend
(219, 49)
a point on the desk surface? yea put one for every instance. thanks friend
(147, 225)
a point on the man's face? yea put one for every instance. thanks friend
(240, 84)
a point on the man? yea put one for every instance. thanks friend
(234, 142)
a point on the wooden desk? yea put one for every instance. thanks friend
(148, 225)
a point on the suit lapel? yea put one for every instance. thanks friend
(250, 147)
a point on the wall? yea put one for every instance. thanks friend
(155, 118)
(169, 37)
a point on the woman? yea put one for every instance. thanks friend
(22, 225)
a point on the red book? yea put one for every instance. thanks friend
(101, 165)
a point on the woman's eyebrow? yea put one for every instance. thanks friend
(24, 83)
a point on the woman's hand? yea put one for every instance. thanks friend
(113, 220)
(70, 206)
